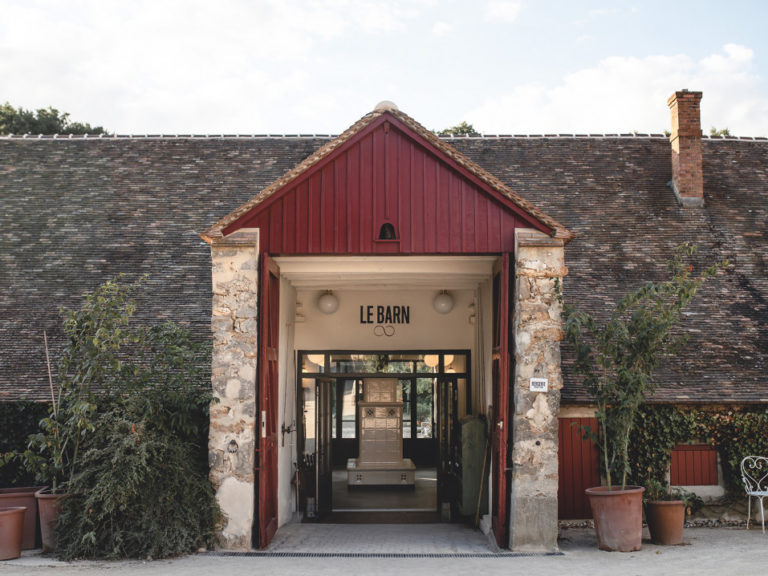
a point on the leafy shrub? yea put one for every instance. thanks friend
(17, 421)
(126, 436)
(138, 495)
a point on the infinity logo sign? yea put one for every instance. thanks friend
(381, 330)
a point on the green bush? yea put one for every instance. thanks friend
(138, 495)
(126, 436)
(17, 421)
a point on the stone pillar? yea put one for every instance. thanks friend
(539, 260)
(232, 436)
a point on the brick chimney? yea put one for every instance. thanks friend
(687, 177)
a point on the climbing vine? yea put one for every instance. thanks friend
(734, 432)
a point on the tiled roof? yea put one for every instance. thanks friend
(77, 211)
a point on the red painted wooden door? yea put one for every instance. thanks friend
(501, 377)
(269, 333)
(578, 468)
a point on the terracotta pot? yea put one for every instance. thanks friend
(12, 497)
(666, 520)
(48, 508)
(11, 531)
(618, 516)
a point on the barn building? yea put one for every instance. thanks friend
(390, 284)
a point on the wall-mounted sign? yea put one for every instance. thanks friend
(539, 384)
(385, 314)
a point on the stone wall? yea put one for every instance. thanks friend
(539, 260)
(231, 443)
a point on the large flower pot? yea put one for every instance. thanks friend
(666, 520)
(618, 516)
(11, 497)
(48, 508)
(11, 531)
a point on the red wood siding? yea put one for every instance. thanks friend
(578, 464)
(693, 465)
(266, 455)
(339, 206)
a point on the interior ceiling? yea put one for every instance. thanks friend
(386, 272)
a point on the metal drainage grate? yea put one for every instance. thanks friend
(385, 554)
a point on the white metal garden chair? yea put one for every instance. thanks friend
(754, 474)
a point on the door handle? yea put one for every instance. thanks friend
(263, 423)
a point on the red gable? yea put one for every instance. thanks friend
(387, 186)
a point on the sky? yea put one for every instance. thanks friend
(317, 66)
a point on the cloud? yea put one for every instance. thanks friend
(502, 11)
(182, 65)
(441, 29)
(622, 94)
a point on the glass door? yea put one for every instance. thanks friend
(449, 442)
(324, 446)
(316, 464)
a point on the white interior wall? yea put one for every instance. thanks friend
(427, 330)
(485, 298)
(286, 448)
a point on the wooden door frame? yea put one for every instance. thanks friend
(266, 461)
(500, 367)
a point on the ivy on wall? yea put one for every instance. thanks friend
(734, 432)
(737, 434)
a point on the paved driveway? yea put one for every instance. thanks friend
(435, 549)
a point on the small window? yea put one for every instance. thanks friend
(387, 232)
(693, 465)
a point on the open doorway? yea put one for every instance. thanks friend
(431, 397)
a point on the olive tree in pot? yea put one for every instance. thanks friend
(616, 359)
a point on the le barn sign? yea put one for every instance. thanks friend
(370, 314)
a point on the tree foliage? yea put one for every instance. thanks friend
(126, 434)
(42, 121)
(17, 421)
(462, 129)
(617, 358)
(719, 132)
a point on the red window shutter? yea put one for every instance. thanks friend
(693, 465)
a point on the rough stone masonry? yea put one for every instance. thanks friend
(539, 260)
(231, 443)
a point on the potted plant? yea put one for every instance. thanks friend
(665, 511)
(616, 358)
(11, 531)
(17, 484)
(23, 497)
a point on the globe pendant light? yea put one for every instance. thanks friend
(443, 302)
(328, 303)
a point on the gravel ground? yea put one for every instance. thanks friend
(435, 549)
